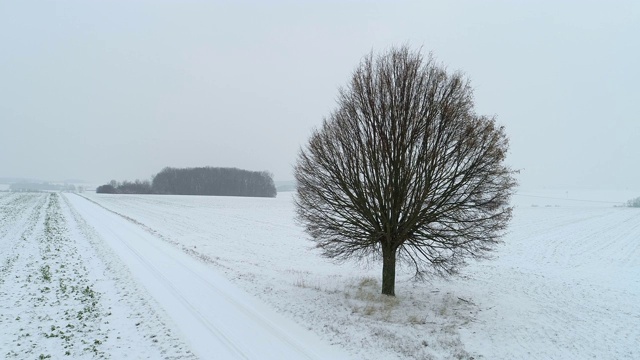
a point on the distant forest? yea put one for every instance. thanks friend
(199, 181)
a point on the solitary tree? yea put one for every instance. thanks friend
(404, 169)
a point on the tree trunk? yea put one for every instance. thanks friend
(388, 271)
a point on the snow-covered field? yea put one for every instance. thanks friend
(565, 284)
(64, 293)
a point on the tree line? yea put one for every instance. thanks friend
(126, 187)
(26, 186)
(634, 202)
(199, 181)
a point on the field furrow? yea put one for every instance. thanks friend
(57, 298)
(103, 276)
(565, 283)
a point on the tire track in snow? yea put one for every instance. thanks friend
(133, 305)
(269, 337)
(170, 286)
(234, 351)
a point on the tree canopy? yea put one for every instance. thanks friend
(405, 169)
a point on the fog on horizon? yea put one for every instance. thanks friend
(121, 89)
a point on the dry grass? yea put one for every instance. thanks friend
(436, 314)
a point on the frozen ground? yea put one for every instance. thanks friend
(565, 284)
(218, 320)
(78, 280)
(63, 293)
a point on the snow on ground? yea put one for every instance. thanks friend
(565, 284)
(63, 293)
(255, 244)
(216, 319)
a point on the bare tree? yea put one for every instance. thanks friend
(405, 170)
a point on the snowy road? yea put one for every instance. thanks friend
(168, 277)
(214, 317)
(564, 285)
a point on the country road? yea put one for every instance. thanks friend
(214, 317)
(186, 277)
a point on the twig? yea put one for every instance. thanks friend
(467, 301)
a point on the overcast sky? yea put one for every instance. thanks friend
(101, 90)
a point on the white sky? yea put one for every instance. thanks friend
(102, 90)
